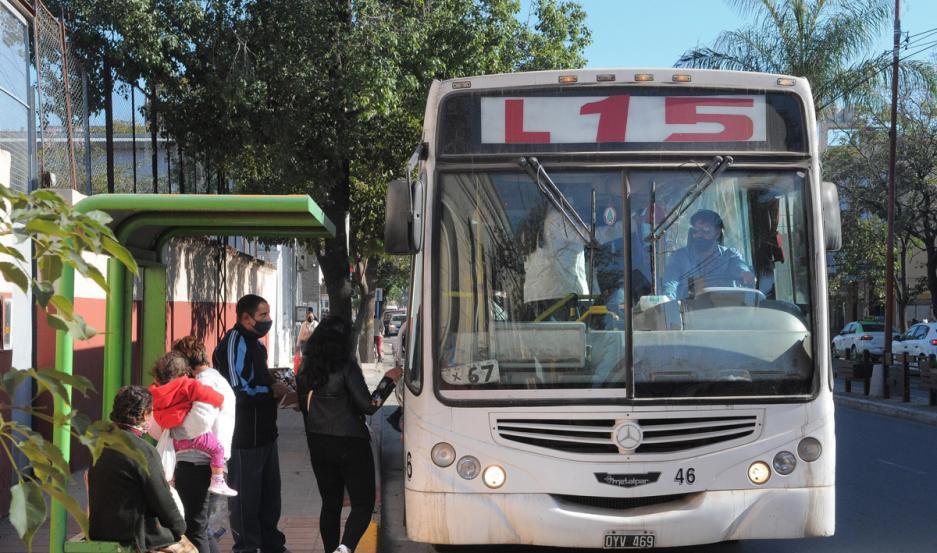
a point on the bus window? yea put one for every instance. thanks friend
(729, 308)
(525, 301)
(719, 283)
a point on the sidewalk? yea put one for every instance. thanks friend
(917, 409)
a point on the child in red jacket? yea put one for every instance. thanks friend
(174, 392)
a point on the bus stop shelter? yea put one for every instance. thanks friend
(144, 224)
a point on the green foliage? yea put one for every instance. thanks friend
(329, 99)
(860, 167)
(59, 237)
(141, 39)
(829, 43)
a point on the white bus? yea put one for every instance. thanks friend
(618, 334)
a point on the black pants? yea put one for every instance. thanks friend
(342, 463)
(255, 511)
(192, 484)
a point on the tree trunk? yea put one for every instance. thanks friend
(854, 301)
(365, 276)
(902, 289)
(931, 248)
(333, 257)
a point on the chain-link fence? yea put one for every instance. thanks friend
(61, 106)
(74, 146)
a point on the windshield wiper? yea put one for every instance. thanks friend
(709, 176)
(556, 197)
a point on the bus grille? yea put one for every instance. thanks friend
(619, 503)
(675, 432)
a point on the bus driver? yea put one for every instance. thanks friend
(704, 261)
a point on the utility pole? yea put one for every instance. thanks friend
(890, 245)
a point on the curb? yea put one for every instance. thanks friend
(369, 541)
(887, 409)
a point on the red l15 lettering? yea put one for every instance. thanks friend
(682, 110)
(514, 132)
(613, 117)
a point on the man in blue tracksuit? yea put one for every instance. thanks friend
(254, 467)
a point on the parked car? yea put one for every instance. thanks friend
(861, 340)
(390, 312)
(920, 342)
(396, 321)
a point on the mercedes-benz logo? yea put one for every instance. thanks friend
(629, 436)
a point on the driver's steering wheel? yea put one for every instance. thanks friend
(734, 290)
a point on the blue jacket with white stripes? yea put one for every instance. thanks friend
(242, 359)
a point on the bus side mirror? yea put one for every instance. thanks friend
(399, 219)
(829, 210)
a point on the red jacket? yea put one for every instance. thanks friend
(172, 401)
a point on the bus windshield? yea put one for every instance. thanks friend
(714, 278)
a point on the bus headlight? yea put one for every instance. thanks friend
(784, 462)
(809, 449)
(443, 454)
(759, 472)
(468, 467)
(494, 476)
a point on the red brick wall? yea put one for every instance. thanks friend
(6, 469)
(183, 318)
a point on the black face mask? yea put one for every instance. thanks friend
(701, 245)
(262, 327)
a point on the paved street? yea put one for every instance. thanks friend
(886, 490)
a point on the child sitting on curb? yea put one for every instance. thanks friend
(174, 392)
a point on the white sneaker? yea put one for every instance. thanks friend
(342, 549)
(220, 487)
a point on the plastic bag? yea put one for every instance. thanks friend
(167, 454)
(177, 500)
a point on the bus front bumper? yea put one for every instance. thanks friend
(542, 519)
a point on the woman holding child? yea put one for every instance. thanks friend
(199, 473)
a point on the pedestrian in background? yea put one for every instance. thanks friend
(379, 338)
(254, 468)
(334, 399)
(305, 330)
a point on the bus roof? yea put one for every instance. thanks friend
(626, 76)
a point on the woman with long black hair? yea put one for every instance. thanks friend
(334, 400)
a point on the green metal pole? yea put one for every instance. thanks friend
(61, 430)
(126, 372)
(153, 334)
(113, 342)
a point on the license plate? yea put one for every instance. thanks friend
(624, 540)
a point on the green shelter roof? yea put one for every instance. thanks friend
(143, 222)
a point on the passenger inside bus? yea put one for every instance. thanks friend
(556, 266)
(704, 261)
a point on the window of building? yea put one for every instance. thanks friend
(14, 103)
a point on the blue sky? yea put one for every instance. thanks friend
(653, 33)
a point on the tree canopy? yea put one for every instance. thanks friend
(327, 98)
(827, 41)
(860, 167)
